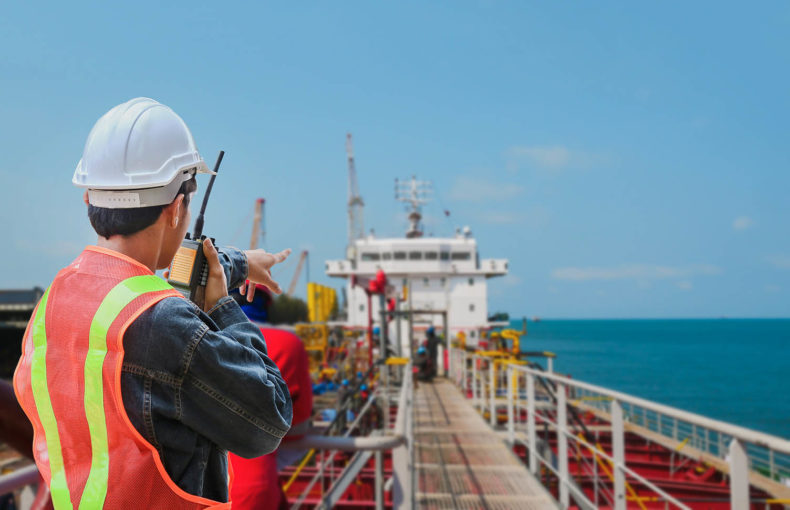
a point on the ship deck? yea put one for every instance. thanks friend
(461, 462)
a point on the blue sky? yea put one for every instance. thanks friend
(630, 160)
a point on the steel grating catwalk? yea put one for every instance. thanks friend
(461, 462)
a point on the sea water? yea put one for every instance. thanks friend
(734, 370)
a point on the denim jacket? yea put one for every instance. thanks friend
(197, 385)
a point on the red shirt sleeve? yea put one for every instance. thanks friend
(290, 356)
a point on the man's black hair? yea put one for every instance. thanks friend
(125, 222)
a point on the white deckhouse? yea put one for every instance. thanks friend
(440, 274)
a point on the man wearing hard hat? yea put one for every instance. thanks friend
(135, 393)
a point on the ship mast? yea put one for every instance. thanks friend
(356, 227)
(414, 194)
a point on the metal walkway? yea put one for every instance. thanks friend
(461, 462)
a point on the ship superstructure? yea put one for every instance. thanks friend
(434, 274)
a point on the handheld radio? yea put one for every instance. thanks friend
(189, 270)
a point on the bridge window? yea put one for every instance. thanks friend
(445, 255)
(461, 255)
(415, 255)
(472, 307)
(431, 255)
(370, 256)
(425, 282)
(399, 255)
(386, 255)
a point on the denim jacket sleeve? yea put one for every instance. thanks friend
(232, 392)
(234, 262)
(225, 386)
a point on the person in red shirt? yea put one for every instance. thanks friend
(256, 482)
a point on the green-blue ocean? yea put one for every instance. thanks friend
(735, 370)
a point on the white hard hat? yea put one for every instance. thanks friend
(137, 155)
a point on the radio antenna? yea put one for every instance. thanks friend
(198, 230)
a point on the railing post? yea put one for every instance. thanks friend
(618, 453)
(403, 456)
(379, 482)
(562, 445)
(492, 392)
(739, 476)
(447, 369)
(532, 435)
(511, 415)
(474, 382)
(385, 404)
(595, 478)
(550, 364)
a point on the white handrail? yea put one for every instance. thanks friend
(747, 435)
(27, 475)
(374, 443)
(488, 378)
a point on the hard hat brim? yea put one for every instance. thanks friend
(141, 197)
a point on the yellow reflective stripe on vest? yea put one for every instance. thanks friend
(38, 383)
(116, 300)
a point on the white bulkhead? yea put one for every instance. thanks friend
(441, 274)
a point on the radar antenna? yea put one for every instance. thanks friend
(414, 194)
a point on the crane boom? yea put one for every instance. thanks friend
(257, 224)
(295, 279)
(356, 228)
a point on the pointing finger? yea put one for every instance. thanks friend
(279, 257)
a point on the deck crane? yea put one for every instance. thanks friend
(356, 227)
(258, 232)
(295, 279)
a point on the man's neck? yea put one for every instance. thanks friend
(142, 247)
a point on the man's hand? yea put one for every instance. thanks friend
(216, 285)
(259, 271)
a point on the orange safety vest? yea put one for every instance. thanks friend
(68, 382)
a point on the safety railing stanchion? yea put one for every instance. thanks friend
(492, 392)
(739, 475)
(379, 481)
(618, 454)
(562, 445)
(403, 456)
(511, 415)
(474, 382)
(532, 434)
(464, 378)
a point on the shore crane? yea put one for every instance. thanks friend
(258, 232)
(295, 279)
(356, 226)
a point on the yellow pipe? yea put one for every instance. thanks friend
(682, 444)
(611, 476)
(299, 469)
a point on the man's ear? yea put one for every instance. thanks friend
(173, 212)
(85, 197)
